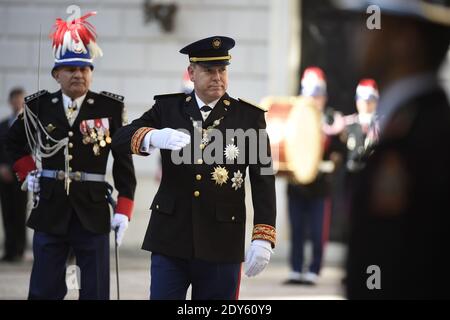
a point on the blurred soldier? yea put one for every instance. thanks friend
(13, 199)
(400, 216)
(360, 134)
(197, 229)
(70, 131)
(187, 85)
(309, 204)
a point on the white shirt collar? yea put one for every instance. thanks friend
(200, 103)
(67, 101)
(400, 92)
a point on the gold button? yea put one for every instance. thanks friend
(70, 145)
(202, 146)
(197, 194)
(199, 161)
(233, 218)
(69, 157)
(70, 169)
(198, 177)
(70, 133)
(157, 206)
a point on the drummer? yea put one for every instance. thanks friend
(310, 204)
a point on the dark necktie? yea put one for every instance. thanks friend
(206, 108)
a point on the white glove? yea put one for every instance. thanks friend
(168, 138)
(119, 221)
(258, 257)
(32, 181)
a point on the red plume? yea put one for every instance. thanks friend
(75, 35)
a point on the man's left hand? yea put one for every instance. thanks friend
(258, 256)
(119, 221)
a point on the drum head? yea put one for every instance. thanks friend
(304, 140)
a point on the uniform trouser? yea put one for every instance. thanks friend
(14, 209)
(48, 276)
(171, 277)
(306, 214)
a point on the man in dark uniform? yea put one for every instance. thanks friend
(197, 229)
(310, 204)
(400, 215)
(13, 199)
(360, 133)
(74, 129)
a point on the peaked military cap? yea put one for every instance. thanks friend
(210, 51)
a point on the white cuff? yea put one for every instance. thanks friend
(146, 148)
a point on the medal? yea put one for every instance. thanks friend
(231, 152)
(102, 143)
(96, 149)
(237, 180)
(219, 175)
(204, 132)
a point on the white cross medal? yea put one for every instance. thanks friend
(231, 152)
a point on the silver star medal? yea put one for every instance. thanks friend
(237, 180)
(231, 152)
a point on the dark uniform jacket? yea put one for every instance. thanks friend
(400, 218)
(86, 198)
(5, 158)
(192, 216)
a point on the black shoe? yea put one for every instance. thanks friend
(292, 282)
(11, 259)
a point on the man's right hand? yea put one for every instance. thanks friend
(32, 181)
(168, 138)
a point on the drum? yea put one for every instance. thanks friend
(294, 126)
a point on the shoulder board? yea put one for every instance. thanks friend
(112, 96)
(159, 96)
(35, 95)
(252, 104)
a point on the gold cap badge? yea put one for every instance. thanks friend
(216, 43)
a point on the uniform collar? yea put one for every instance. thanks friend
(218, 112)
(191, 107)
(200, 103)
(67, 101)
